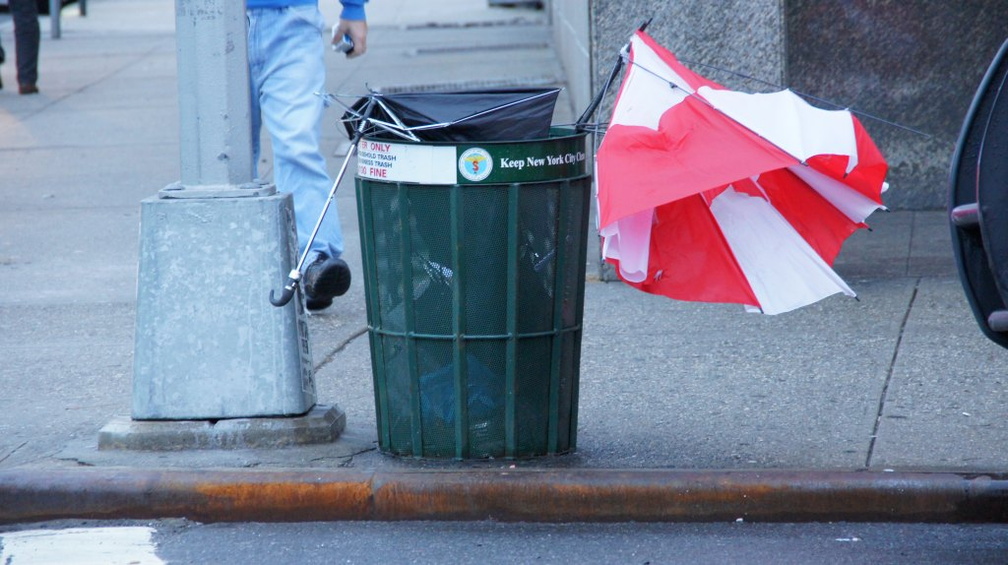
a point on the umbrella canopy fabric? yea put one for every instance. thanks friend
(712, 195)
(463, 116)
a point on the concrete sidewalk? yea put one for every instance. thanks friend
(897, 396)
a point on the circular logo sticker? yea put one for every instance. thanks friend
(475, 164)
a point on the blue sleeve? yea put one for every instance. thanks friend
(353, 10)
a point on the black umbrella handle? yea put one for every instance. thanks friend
(582, 122)
(288, 290)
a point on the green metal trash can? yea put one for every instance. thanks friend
(474, 268)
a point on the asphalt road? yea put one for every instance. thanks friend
(184, 542)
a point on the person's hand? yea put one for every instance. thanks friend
(357, 30)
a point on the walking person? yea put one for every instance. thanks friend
(286, 44)
(27, 37)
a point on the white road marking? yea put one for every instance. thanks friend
(80, 546)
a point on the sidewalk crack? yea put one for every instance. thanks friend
(346, 461)
(13, 451)
(340, 347)
(889, 374)
(78, 462)
(910, 245)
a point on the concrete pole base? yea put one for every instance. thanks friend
(209, 345)
(322, 424)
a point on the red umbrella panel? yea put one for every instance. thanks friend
(713, 195)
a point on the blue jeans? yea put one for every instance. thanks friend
(287, 69)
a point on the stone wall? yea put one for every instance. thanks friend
(915, 63)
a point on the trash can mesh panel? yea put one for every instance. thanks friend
(388, 255)
(486, 388)
(532, 394)
(396, 390)
(567, 399)
(575, 254)
(485, 226)
(431, 273)
(438, 415)
(537, 256)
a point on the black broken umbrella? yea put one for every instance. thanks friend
(462, 116)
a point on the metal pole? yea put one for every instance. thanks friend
(214, 107)
(54, 18)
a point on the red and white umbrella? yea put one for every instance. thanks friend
(713, 195)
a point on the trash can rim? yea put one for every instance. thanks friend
(556, 133)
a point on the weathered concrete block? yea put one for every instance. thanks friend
(209, 344)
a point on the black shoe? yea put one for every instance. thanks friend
(323, 280)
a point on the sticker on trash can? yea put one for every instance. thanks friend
(522, 161)
(475, 164)
(402, 162)
(488, 163)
